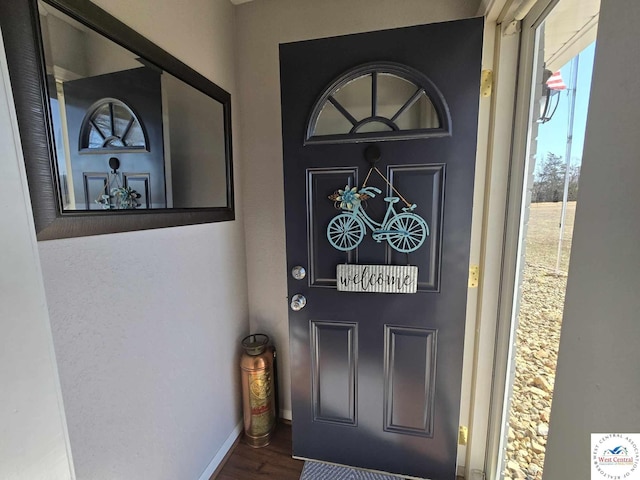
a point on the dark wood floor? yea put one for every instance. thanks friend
(273, 461)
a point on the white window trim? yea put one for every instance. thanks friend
(502, 144)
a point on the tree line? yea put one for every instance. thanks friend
(548, 183)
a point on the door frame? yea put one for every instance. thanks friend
(507, 164)
(514, 224)
(495, 129)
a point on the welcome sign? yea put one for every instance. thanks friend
(377, 278)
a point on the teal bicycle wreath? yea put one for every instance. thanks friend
(405, 231)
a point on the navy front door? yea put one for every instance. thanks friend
(376, 377)
(116, 115)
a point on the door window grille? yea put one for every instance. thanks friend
(380, 101)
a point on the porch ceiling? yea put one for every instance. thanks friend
(569, 29)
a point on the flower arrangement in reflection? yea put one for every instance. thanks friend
(121, 198)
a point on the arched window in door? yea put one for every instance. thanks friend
(111, 125)
(378, 101)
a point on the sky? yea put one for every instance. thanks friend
(552, 136)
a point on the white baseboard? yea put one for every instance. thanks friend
(224, 449)
(286, 414)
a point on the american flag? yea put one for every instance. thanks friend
(555, 82)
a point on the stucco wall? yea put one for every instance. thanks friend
(33, 437)
(147, 324)
(597, 381)
(261, 27)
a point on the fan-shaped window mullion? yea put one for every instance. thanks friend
(381, 101)
(343, 111)
(97, 129)
(387, 124)
(110, 125)
(127, 130)
(413, 99)
(112, 120)
(374, 94)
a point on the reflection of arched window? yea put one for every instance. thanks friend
(110, 125)
(378, 101)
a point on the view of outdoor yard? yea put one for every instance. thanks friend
(537, 339)
(561, 82)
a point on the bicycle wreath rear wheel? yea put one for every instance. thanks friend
(345, 232)
(407, 232)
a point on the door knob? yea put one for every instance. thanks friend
(298, 272)
(298, 302)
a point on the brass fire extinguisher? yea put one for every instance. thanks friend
(258, 390)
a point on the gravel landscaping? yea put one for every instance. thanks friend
(537, 340)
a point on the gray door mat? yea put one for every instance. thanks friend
(327, 471)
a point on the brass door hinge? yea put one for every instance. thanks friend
(486, 83)
(474, 276)
(463, 435)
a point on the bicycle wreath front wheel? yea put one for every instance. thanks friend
(345, 232)
(407, 232)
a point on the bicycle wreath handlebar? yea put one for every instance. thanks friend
(371, 191)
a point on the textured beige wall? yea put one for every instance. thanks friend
(147, 325)
(33, 435)
(261, 27)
